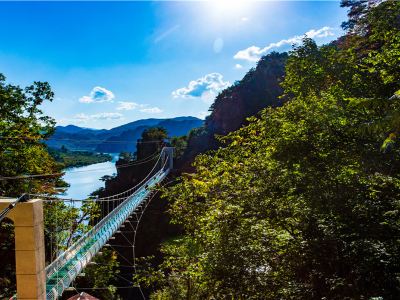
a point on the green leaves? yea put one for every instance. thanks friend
(101, 274)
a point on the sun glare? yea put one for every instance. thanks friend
(228, 9)
(229, 6)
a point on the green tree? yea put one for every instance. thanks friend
(65, 223)
(101, 273)
(127, 156)
(22, 128)
(152, 141)
(180, 145)
(154, 134)
(356, 12)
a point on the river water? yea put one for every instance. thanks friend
(85, 180)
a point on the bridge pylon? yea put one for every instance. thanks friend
(29, 248)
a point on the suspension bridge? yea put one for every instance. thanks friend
(37, 281)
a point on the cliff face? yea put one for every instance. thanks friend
(259, 88)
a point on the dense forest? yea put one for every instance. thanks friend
(303, 201)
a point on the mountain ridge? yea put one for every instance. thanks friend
(118, 139)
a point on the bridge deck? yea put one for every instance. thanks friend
(61, 273)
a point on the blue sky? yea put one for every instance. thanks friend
(110, 63)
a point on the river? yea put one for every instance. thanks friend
(85, 180)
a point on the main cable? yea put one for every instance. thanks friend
(133, 163)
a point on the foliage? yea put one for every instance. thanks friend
(356, 13)
(180, 144)
(127, 156)
(7, 270)
(303, 210)
(303, 202)
(182, 281)
(65, 223)
(101, 273)
(154, 134)
(100, 190)
(151, 142)
(195, 132)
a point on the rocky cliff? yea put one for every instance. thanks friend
(259, 88)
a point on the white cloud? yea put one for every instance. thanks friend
(206, 87)
(97, 95)
(254, 53)
(151, 110)
(123, 105)
(83, 118)
(238, 66)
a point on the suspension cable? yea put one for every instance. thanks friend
(77, 140)
(2, 178)
(133, 163)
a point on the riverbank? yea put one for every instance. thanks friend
(68, 159)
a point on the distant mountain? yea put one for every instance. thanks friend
(118, 139)
(69, 129)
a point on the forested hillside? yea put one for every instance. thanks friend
(303, 201)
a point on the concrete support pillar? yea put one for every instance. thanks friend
(29, 248)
